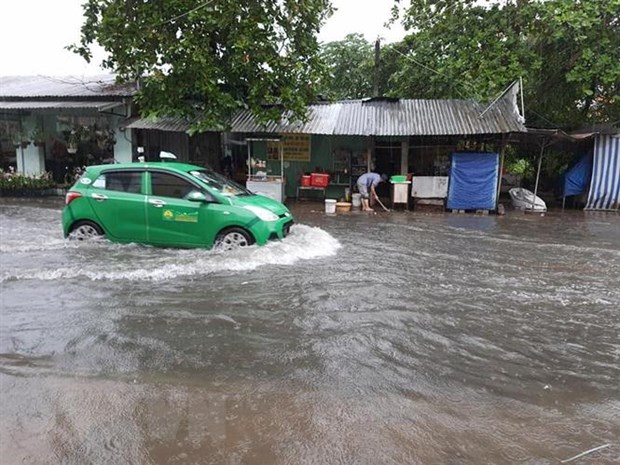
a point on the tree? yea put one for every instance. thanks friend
(205, 61)
(350, 63)
(567, 51)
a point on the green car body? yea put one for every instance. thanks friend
(170, 205)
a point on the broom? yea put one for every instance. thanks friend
(381, 203)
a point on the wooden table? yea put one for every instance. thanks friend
(304, 189)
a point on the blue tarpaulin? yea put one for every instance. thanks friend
(577, 178)
(473, 181)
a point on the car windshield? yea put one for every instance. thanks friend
(220, 183)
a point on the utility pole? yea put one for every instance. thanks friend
(375, 92)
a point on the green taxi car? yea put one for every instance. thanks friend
(170, 205)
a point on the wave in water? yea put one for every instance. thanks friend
(108, 261)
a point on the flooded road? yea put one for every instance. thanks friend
(385, 339)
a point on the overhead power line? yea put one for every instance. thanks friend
(202, 5)
(428, 68)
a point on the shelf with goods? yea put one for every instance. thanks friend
(258, 180)
(340, 179)
(359, 166)
(341, 169)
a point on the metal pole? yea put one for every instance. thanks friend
(542, 149)
(282, 183)
(249, 161)
(501, 169)
(521, 92)
(375, 91)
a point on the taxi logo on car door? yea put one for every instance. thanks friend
(181, 217)
(186, 217)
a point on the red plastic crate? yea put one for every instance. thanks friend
(319, 179)
(306, 180)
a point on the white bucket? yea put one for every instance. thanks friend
(357, 200)
(330, 206)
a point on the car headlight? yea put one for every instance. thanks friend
(262, 213)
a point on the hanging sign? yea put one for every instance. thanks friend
(296, 147)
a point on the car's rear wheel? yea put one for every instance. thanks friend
(85, 230)
(233, 238)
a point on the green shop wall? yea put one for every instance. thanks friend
(322, 149)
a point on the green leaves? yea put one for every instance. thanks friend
(205, 60)
(13, 182)
(350, 63)
(567, 51)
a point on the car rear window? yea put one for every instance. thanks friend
(123, 181)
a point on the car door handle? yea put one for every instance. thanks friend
(157, 203)
(100, 197)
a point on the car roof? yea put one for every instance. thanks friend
(174, 166)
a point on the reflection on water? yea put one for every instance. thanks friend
(389, 338)
(473, 223)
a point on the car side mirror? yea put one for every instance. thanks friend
(197, 196)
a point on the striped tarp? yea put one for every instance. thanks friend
(605, 184)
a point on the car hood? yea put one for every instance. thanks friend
(260, 201)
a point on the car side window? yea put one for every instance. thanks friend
(169, 185)
(121, 181)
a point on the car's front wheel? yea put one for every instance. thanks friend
(85, 230)
(233, 238)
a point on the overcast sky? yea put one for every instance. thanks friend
(33, 33)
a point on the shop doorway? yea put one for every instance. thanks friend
(387, 161)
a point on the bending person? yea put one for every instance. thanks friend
(366, 185)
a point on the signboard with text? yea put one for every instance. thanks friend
(295, 147)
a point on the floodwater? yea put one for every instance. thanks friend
(359, 339)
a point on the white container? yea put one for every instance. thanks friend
(330, 206)
(357, 200)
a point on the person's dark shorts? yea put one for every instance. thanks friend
(363, 190)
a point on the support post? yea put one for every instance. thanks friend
(249, 159)
(404, 157)
(281, 147)
(502, 151)
(542, 149)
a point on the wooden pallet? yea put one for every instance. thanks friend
(476, 212)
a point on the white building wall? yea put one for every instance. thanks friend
(123, 147)
(30, 160)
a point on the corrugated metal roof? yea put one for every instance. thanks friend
(160, 124)
(376, 117)
(322, 119)
(598, 128)
(395, 118)
(63, 87)
(46, 105)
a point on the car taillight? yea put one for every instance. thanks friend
(71, 196)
